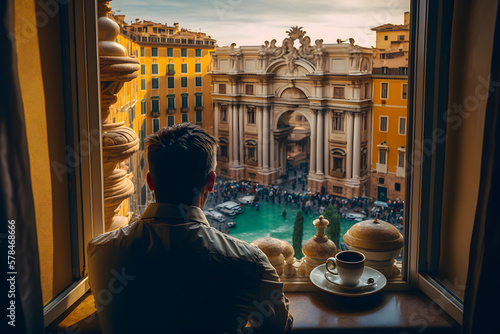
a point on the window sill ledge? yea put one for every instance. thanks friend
(318, 312)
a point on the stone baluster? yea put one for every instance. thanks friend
(119, 141)
(317, 249)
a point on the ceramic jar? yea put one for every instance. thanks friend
(379, 241)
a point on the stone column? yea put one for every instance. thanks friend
(216, 120)
(119, 142)
(242, 133)
(348, 155)
(260, 154)
(319, 143)
(327, 121)
(230, 148)
(356, 143)
(265, 138)
(235, 138)
(312, 161)
(272, 156)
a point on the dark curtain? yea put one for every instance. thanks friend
(482, 294)
(16, 198)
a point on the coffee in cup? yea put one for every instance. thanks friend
(349, 264)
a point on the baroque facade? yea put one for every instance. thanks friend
(257, 89)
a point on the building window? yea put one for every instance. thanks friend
(384, 120)
(397, 186)
(170, 82)
(222, 88)
(402, 125)
(384, 92)
(143, 69)
(170, 69)
(154, 52)
(337, 190)
(381, 180)
(249, 89)
(155, 83)
(170, 52)
(382, 56)
(198, 98)
(338, 121)
(184, 118)
(250, 148)
(364, 160)
(338, 92)
(386, 38)
(404, 92)
(401, 159)
(184, 68)
(184, 82)
(382, 156)
(143, 84)
(197, 68)
(403, 70)
(365, 121)
(251, 116)
(198, 82)
(385, 70)
(338, 159)
(184, 100)
(154, 68)
(222, 152)
(197, 52)
(223, 113)
(156, 125)
(170, 120)
(183, 52)
(171, 101)
(144, 107)
(401, 37)
(367, 91)
(155, 105)
(198, 117)
(142, 51)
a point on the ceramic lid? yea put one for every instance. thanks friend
(374, 234)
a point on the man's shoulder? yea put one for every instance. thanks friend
(224, 245)
(112, 238)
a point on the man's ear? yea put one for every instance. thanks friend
(210, 181)
(150, 182)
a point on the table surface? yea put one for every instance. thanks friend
(318, 312)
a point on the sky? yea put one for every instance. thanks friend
(252, 22)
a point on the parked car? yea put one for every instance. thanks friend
(248, 200)
(215, 215)
(355, 216)
(229, 208)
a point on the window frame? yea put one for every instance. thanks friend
(184, 82)
(153, 121)
(170, 82)
(184, 53)
(153, 53)
(184, 68)
(170, 117)
(157, 80)
(404, 96)
(196, 51)
(197, 67)
(198, 81)
(157, 68)
(380, 123)
(170, 52)
(400, 118)
(382, 90)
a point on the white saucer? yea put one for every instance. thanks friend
(317, 277)
(335, 279)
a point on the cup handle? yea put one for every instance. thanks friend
(331, 265)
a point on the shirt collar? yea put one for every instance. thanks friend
(179, 212)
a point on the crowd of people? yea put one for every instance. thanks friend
(302, 198)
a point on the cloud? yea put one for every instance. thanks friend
(252, 22)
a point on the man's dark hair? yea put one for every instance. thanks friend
(180, 158)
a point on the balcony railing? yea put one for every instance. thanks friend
(155, 114)
(171, 111)
(184, 109)
(170, 72)
(198, 108)
(338, 173)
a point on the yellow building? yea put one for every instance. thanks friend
(172, 87)
(172, 82)
(390, 99)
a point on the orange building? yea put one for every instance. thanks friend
(390, 99)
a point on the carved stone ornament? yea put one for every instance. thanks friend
(317, 249)
(119, 141)
(280, 254)
(290, 54)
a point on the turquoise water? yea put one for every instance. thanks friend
(268, 221)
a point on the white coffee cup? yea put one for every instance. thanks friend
(350, 265)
